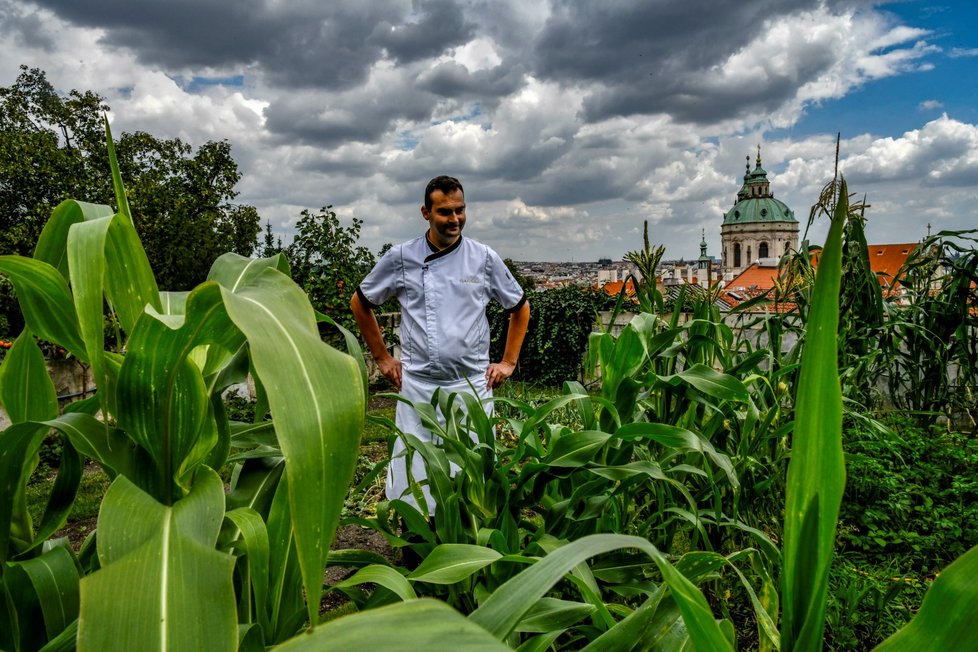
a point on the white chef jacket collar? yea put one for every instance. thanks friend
(438, 253)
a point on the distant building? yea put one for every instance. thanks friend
(758, 226)
(704, 264)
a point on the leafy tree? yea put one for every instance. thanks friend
(182, 206)
(526, 282)
(328, 263)
(52, 147)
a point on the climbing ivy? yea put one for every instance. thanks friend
(560, 321)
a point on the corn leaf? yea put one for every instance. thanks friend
(655, 625)
(163, 402)
(62, 496)
(453, 562)
(120, 192)
(285, 580)
(816, 472)
(712, 382)
(162, 585)
(577, 449)
(315, 395)
(46, 302)
(234, 271)
(947, 617)
(679, 438)
(549, 614)
(502, 610)
(110, 447)
(254, 538)
(384, 576)
(411, 625)
(52, 246)
(45, 586)
(130, 283)
(86, 266)
(26, 390)
(18, 445)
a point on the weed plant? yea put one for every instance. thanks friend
(912, 497)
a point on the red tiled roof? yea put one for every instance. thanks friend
(887, 259)
(754, 277)
(614, 287)
(884, 259)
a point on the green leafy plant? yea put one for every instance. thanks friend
(815, 482)
(912, 497)
(933, 355)
(521, 540)
(154, 574)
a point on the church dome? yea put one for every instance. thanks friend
(755, 202)
(759, 209)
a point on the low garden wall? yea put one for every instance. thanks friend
(72, 381)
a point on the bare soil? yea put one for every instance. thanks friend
(351, 537)
(77, 531)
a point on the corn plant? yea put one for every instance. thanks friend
(697, 377)
(154, 575)
(646, 260)
(178, 563)
(933, 354)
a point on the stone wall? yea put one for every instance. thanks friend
(72, 381)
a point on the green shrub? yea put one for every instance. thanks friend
(561, 319)
(172, 546)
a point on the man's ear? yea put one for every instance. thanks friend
(424, 212)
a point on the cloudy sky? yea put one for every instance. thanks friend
(568, 122)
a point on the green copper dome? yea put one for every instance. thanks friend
(759, 209)
(755, 202)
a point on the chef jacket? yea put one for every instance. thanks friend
(443, 295)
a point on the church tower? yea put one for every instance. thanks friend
(758, 226)
(703, 263)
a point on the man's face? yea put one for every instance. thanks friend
(446, 217)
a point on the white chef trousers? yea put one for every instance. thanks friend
(420, 390)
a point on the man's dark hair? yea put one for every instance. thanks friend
(444, 183)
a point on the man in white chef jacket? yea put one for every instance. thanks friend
(443, 282)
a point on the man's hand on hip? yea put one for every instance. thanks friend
(499, 372)
(391, 368)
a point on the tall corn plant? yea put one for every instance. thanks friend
(155, 576)
(816, 479)
(933, 365)
(693, 377)
(816, 472)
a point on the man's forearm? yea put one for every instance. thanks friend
(389, 366)
(518, 323)
(369, 328)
